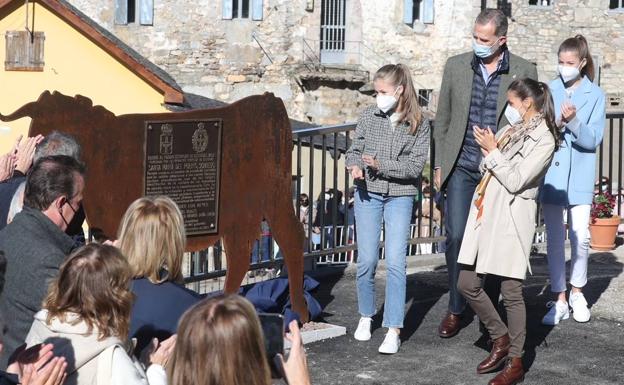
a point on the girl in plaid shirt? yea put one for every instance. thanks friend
(386, 157)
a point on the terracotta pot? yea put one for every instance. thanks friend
(603, 233)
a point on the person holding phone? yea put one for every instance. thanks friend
(386, 157)
(569, 183)
(220, 342)
(501, 224)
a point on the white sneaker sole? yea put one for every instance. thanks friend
(547, 323)
(361, 337)
(581, 319)
(386, 350)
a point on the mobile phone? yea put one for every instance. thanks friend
(273, 330)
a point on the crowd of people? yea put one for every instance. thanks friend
(88, 313)
(118, 313)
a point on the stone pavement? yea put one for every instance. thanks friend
(570, 353)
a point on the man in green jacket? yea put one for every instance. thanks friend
(473, 93)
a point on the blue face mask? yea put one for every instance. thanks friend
(484, 51)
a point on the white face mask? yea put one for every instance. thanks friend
(513, 115)
(387, 102)
(568, 73)
(327, 196)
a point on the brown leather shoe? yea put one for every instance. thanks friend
(511, 375)
(449, 326)
(500, 350)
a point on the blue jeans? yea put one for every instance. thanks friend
(459, 192)
(370, 210)
(264, 254)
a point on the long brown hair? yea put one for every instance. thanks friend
(94, 284)
(579, 45)
(541, 95)
(399, 75)
(220, 342)
(152, 237)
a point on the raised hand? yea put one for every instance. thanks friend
(25, 153)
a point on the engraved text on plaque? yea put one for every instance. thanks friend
(182, 161)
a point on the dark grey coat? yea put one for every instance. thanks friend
(34, 248)
(454, 104)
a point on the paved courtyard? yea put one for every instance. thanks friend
(570, 353)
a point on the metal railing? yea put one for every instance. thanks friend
(318, 158)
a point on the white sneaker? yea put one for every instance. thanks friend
(363, 331)
(578, 303)
(391, 343)
(558, 311)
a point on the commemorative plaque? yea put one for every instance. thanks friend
(182, 161)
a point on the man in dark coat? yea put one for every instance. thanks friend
(35, 243)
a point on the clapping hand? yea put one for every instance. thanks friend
(7, 164)
(485, 139)
(159, 352)
(568, 111)
(25, 152)
(38, 366)
(356, 172)
(371, 161)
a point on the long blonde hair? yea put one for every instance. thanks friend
(152, 237)
(220, 342)
(399, 75)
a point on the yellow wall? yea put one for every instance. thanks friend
(73, 65)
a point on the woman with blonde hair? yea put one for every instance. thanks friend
(86, 316)
(386, 158)
(220, 342)
(152, 238)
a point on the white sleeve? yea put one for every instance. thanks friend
(156, 375)
(125, 371)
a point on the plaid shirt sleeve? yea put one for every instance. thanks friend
(354, 153)
(412, 166)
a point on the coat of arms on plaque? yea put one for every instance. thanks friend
(166, 140)
(200, 138)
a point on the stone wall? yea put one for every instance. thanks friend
(220, 58)
(538, 31)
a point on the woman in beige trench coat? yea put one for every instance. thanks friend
(501, 224)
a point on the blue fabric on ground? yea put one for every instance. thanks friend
(272, 296)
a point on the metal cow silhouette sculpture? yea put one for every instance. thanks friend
(255, 173)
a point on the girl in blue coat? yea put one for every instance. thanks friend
(569, 184)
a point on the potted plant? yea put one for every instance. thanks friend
(604, 224)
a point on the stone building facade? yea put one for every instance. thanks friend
(319, 55)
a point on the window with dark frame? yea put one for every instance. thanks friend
(541, 3)
(424, 97)
(421, 11)
(24, 51)
(134, 11)
(242, 9)
(616, 4)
